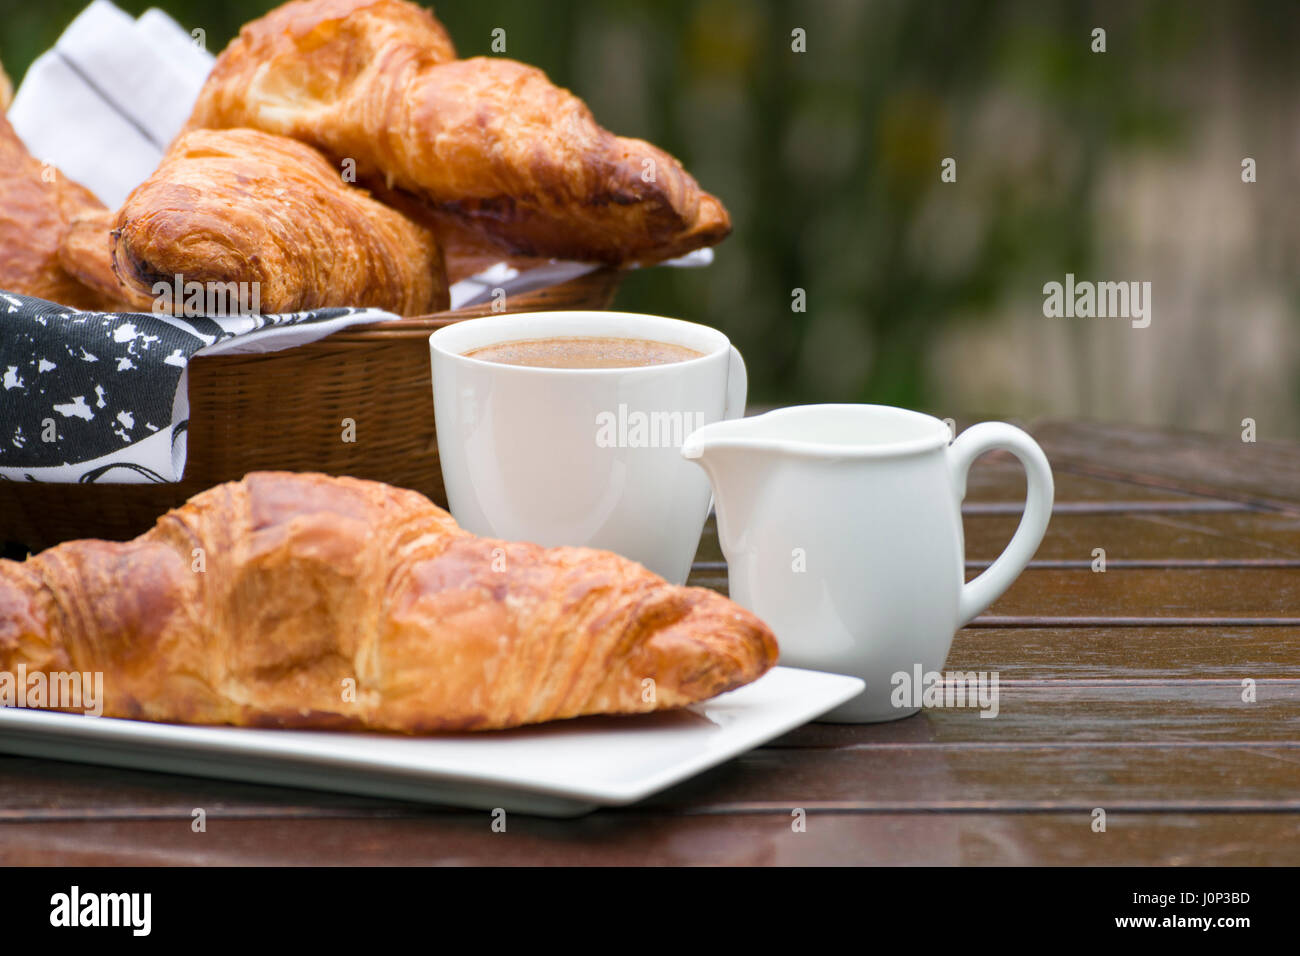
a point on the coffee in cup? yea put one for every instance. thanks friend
(588, 351)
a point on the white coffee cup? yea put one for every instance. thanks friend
(841, 525)
(561, 456)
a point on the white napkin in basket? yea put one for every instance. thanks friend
(106, 101)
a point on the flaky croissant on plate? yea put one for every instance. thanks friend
(487, 142)
(260, 602)
(244, 206)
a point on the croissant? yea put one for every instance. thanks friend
(86, 253)
(487, 141)
(465, 251)
(37, 204)
(297, 600)
(242, 206)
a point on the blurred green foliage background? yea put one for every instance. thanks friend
(1122, 165)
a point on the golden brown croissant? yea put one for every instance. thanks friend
(37, 203)
(242, 206)
(264, 602)
(488, 141)
(466, 251)
(86, 253)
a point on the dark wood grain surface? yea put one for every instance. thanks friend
(1120, 690)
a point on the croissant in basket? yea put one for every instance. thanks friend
(38, 205)
(242, 206)
(298, 600)
(488, 143)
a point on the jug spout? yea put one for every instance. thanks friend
(736, 460)
(708, 438)
(727, 450)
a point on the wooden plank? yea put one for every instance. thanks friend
(963, 777)
(999, 478)
(1260, 473)
(1127, 597)
(1191, 505)
(1192, 595)
(53, 790)
(1265, 538)
(1151, 653)
(639, 838)
(1124, 712)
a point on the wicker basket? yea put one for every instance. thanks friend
(285, 410)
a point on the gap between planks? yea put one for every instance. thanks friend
(994, 622)
(981, 508)
(1288, 807)
(1083, 564)
(1088, 683)
(433, 812)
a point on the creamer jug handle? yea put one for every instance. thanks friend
(978, 594)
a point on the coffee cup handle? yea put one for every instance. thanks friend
(979, 593)
(737, 387)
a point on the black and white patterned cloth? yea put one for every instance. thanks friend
(101, 396)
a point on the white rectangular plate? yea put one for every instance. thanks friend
(564, 768)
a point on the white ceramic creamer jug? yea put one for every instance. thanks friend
(841, 525)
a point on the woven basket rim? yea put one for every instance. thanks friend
(422, 326)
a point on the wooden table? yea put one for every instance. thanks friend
(1120, 690)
